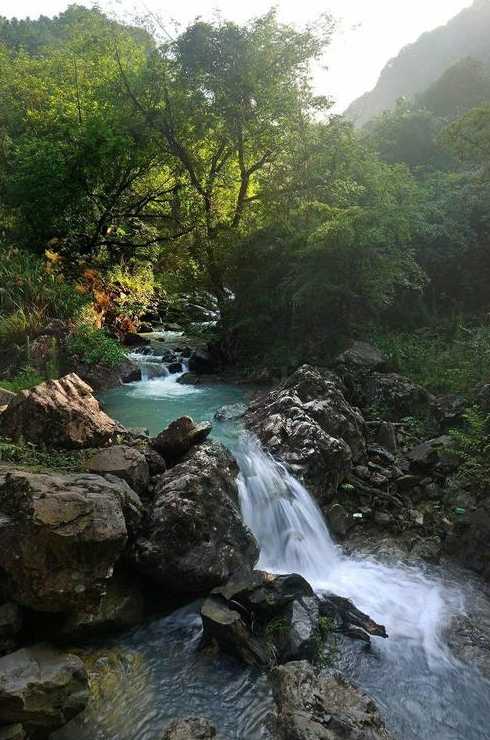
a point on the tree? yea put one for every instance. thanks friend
(226, 101)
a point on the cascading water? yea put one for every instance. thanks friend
(433, 691)
(423, 692)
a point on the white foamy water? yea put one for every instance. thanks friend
(294, 538)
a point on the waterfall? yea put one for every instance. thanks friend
(294, 538)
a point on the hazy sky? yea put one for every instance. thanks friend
(370, 31)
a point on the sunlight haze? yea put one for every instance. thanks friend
(369, 33)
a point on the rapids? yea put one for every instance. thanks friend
(423, 692)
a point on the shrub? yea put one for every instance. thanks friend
(25, 379)
(443, 361)
(472, 446)
(95, 346)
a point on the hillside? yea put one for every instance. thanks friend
(420, 64)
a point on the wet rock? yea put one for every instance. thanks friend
(193, 728)
(102, 377)
(59, 413)
(340, 520)
(175, 367)
(193, 538)
(41, 688)
(348, 619)
(60, 535)
(314, 707)
(125, 462)
(179, 437)
(397, 397)
(230, 412)
(264, 619)
(308, 424)
(202, 362)
(428, 549)
(468, 635)
(120, 606)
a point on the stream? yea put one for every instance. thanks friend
(156, 672)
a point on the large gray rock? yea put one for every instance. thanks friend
(313, 707)
(193, 537)
(361, 356)
(119, 607)
(41, 688)
(124, 462)
(102, 377)
(396, 397)
(265, 619)
(61, 535)
(59, 413)
(193, 728)
(179, 437)
(308, 423)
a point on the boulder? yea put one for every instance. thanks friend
(179, 437)
(202, 362)
(120, 606)
(6, 397)
(41, 688)
(61, 535)
(433, 453)
(308, 424)
(230, 412)
(314, 707)
(193, 537)
(175, 367)
(59, 413)
(193, 728)
(361, 356)
(397, 397)
(265, 619)
(127, 463)
(102, 377)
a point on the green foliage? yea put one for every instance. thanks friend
(472, 447)
(25, 379)
(31, 286)
(455, 360)
(95, 346)
(32, 457)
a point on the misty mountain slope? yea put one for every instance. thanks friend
(420, 64)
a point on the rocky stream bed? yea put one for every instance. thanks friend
(289, 566)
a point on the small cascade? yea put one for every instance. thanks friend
(294, 538)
